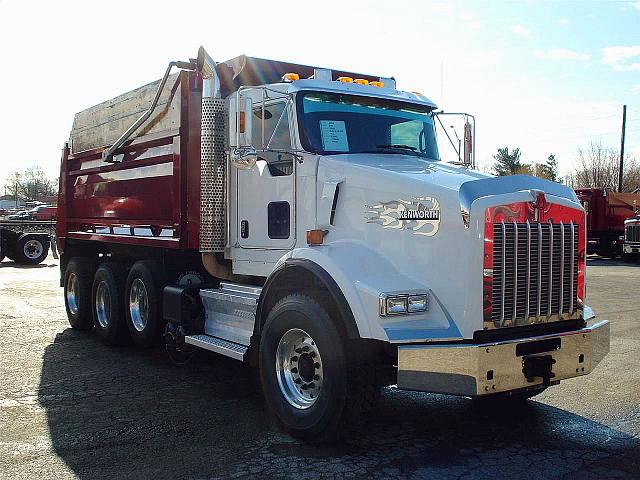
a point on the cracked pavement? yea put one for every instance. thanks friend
(73, 408)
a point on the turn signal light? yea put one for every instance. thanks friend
(345, 79)
(361, 81)
(315, 237)
(290, 77)
(377, 84)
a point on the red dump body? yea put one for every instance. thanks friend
(150, 197)
(606, 213)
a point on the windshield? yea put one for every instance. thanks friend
(333, 123)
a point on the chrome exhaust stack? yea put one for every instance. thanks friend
(213, 161)
(207, 68)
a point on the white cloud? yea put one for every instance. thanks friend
(565, 21)
(622, 58)
(520, 30)
(562, 54)
(636, 88)
(635, 5)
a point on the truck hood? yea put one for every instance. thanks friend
(411, 174)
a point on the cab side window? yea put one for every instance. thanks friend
(276, 126)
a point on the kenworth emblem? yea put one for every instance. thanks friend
(420, 215)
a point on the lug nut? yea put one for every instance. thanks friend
(305, 348)
(298, 381)
(316, 377)
(294, 370)
(294, 358)
(316, 365)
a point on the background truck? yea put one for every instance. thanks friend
(606, 213)
(299, 219)
(631, 239)
(24, 242)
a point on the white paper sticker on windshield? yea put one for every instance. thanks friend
(334, 136)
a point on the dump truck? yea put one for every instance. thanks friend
(606, 213)
(300, 219)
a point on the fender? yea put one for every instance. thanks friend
(356, 275)
(319, 273)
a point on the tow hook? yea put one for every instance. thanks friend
(538, 367)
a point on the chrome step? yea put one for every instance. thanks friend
(231, 311)
(218, 345)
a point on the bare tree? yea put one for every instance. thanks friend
(598, 167)
(31, 184)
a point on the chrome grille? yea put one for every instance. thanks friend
(535, 272)
(632, 233)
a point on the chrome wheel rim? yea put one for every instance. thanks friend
(32, 249)
(103, 304)
(72, 293)
(299, 368)
(138, 305)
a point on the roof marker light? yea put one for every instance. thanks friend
(361, 81)
(345, 79)
(290, 77)
(377, 84)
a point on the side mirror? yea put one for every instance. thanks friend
(468, 144)
(240, 121)
(244, 158)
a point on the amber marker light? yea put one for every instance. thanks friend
(316, 237)
(290, 77)
(377, 84)
(361, 81)
(345, 79)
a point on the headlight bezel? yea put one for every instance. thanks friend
(391, 303)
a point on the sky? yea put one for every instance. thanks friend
(544, 76)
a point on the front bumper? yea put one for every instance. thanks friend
(631, 248)
(476, 370)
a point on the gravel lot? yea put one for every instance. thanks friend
(71, 407)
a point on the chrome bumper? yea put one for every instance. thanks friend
(475, 370)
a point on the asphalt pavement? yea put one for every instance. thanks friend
(71, 407)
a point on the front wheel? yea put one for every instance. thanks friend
(305, 372)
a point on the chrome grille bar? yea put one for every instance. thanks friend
(561, 299)
(504, 273)
(526, 311)
(539, 272)
(572, 265)
(515, 272)
(550, 269)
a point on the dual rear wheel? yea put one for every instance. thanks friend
(114, 302)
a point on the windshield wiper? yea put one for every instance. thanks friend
(394, 147)
(398, 146)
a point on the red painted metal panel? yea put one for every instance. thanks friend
(155, 184)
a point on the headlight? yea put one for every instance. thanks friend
(402, 303)
(417, 303)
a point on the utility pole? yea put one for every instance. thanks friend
(624, 124)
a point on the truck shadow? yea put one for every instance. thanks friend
(121, 413)
(12, 264)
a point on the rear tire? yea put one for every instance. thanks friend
(31, 249)
(106, 303)
(77, 293)
(305, 372)
(141, 300)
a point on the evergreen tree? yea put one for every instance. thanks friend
(507, 163)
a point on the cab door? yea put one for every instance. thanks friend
(266, 193)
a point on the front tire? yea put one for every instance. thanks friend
(77, 293)
(142, 296)
(106, 302)
(304, 370)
